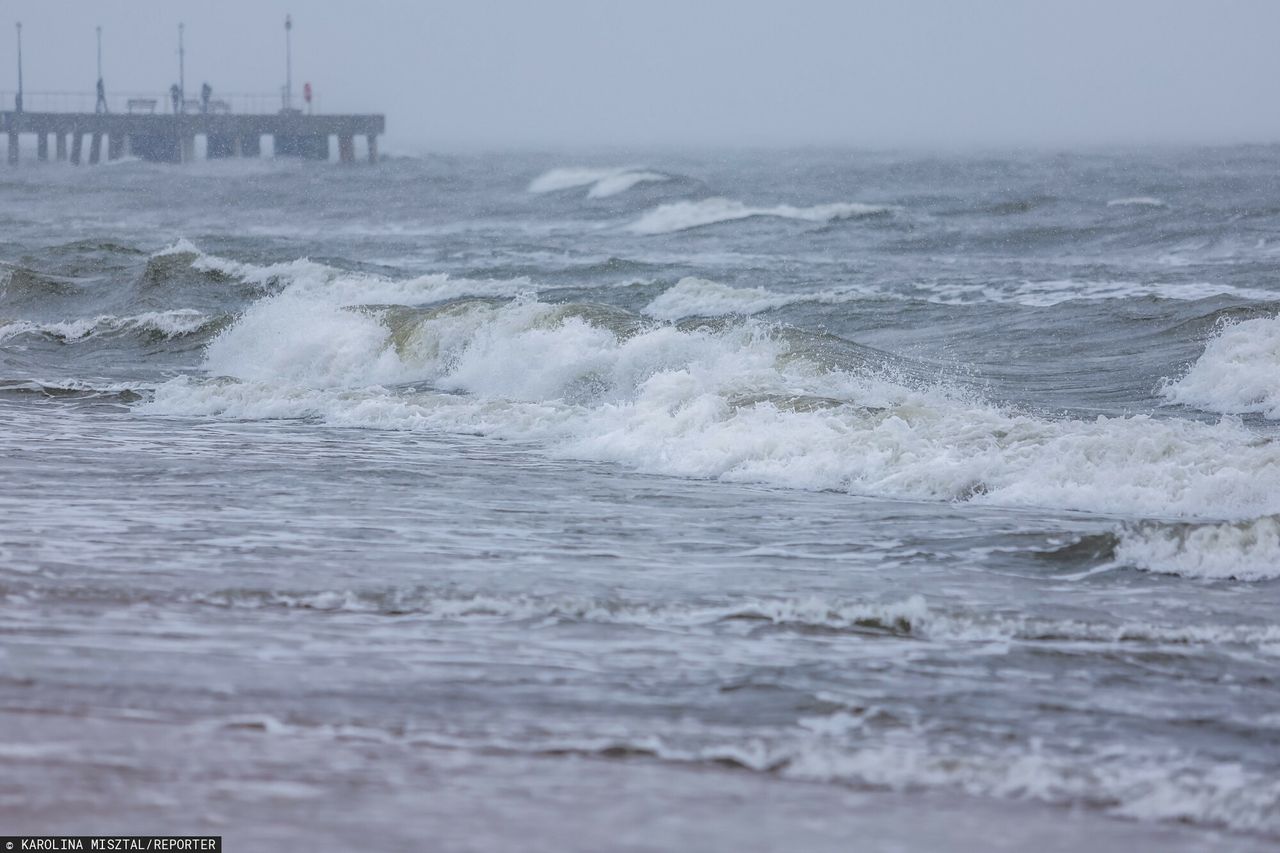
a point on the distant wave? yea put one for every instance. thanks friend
(304, 275)
(700, 297)
(168, 324)
(1048, 293)
(603, 182)
(1239, 372)
(1137, 201)
(683, 215)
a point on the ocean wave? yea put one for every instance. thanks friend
(1245, 550)
(912, 617)
(166, 324)
(126, 392)
(1239, 372)
(324, 284)
(684, 215)
(602, 182)
(698, 297)
(708, 401)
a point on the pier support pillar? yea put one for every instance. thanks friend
(95, 148)
(188, 148)
(251, 145)
(77, 144)
(60, 141)
(13, 148)
(346, 148)
(115, 146)
(42, 147)
(373, 147)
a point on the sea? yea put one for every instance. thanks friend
(651, 500)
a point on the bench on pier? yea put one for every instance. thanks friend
(142, 105)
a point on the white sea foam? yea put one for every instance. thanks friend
(712, 404)
(1137, 201)
(1245, 550)
(683, 215)
(170, 324)
(602, 182)
(1238, 373)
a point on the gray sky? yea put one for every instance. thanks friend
(500, 73)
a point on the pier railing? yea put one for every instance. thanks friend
(158, 102)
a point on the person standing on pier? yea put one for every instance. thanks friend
(101, 105)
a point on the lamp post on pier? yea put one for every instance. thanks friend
(288, 62)
(182, 73)
(18, 99)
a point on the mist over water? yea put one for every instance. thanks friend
(753, 499)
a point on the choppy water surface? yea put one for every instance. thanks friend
(645, 501)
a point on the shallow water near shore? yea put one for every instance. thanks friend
(645, 501)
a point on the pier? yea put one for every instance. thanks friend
(139, 131)
(171, 138)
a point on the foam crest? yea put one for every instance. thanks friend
(602, 182)
(698, 297)
(683, 215)
(323, 283)
(711, 402)
(1246, 550)
(1238, 373)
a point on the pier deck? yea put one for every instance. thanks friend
(169, 138)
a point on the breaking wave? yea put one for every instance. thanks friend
(683, 215)
(602, 182)
(1239, 372)
(734, 400)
